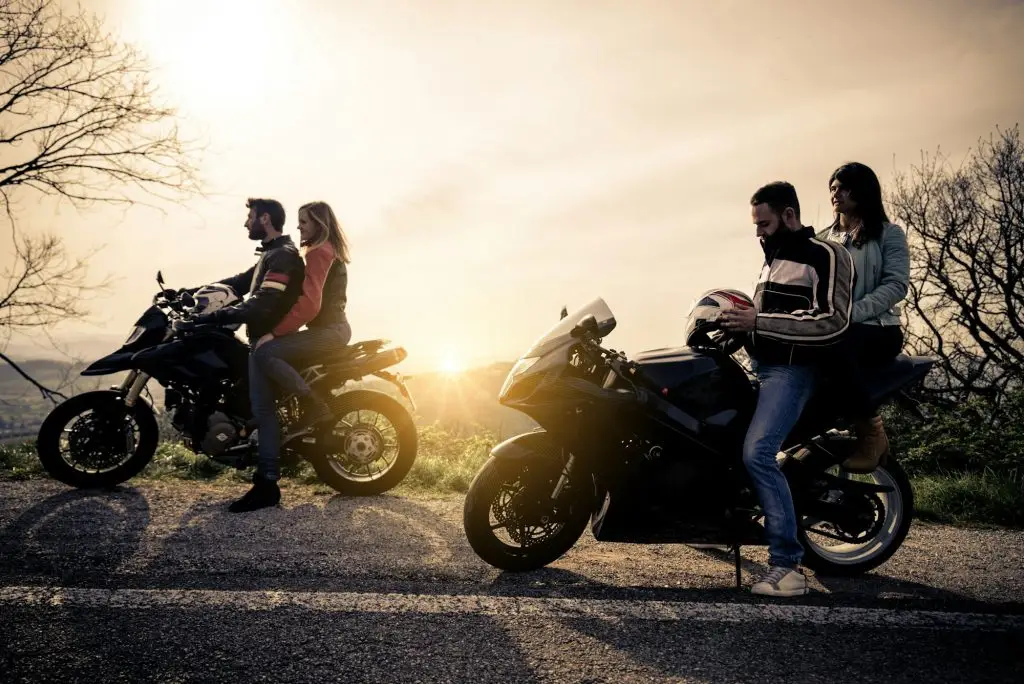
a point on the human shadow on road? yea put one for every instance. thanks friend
(337, 544)
(75, 533)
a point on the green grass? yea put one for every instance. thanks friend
(970, 498)
(447, 462)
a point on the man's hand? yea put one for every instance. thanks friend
(739, 319)
(180, 326)
(263, 340)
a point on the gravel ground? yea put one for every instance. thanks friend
(232, 598)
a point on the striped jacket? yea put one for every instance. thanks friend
(273, 284)
(803, 298)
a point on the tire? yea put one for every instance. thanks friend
(488, 486)
(339, 471)
(79, 467)
(868, 555)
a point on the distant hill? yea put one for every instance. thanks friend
(465, 401)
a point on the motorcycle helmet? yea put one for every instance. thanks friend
(702, 326)
(210, 298)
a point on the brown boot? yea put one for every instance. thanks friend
(872, 446)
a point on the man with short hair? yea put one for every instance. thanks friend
(801, 310)
(274, 284)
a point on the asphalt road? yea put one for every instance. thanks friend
(157, 582)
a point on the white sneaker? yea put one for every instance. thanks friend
(781, 582)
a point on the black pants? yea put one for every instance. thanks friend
(865, 348)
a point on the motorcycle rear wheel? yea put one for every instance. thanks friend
(828, 555)
(372, 445)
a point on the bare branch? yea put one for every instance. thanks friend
(966, 300)
(52, 395)
(80, 121)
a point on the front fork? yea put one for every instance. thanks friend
(131, 387)
(564, 478)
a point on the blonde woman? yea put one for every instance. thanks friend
(320, 307)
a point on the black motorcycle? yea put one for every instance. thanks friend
(649, 451)
(102, 438)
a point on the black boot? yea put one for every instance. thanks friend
(264, 493)
(313, 412)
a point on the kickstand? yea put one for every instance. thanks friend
(736, 560)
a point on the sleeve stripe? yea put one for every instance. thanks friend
(276, 277)
(272, 285)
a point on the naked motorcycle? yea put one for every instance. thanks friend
(102, 438)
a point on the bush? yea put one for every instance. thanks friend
(448, 461)
(972, 437)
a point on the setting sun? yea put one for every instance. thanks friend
(451, 365)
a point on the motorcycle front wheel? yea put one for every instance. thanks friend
(510, 519)
(94, 441)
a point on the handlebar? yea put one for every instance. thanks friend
(622, 367)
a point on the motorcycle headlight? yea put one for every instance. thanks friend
(135, 334)
(522, 365)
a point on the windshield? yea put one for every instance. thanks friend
(559, 334)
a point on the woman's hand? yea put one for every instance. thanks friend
(262, 340)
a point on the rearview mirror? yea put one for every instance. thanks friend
(586, 326)
(160, 279)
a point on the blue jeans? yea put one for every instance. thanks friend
(784, 392)
(272, 364)
(264, 411)
(279, 358)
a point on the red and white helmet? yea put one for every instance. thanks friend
(702, 326)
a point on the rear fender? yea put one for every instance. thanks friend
(852, 486)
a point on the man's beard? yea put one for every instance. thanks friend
(257, 232)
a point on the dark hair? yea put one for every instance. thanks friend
(268, 206)
(866, 191)
(778, 196)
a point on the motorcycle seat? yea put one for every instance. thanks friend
(887, 380)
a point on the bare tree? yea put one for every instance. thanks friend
(966, 230)
(79, 121)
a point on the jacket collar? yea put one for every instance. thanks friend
(280, 241)
(780, 239)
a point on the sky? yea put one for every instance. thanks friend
(493, 161)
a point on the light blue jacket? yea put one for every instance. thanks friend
(883, 274)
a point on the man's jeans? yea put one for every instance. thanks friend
(785, 390)
(273, 362)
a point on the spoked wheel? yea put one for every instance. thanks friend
(371, 446)
(511, 520)
(93, 440)
(883, 521)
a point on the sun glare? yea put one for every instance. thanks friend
(450, 365)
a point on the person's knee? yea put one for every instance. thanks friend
(759, 452)
(261, 357)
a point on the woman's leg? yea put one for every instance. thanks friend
(279, 358)
(870, 346)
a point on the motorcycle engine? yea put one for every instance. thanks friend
(221, 434)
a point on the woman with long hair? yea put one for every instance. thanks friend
(881, 260)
